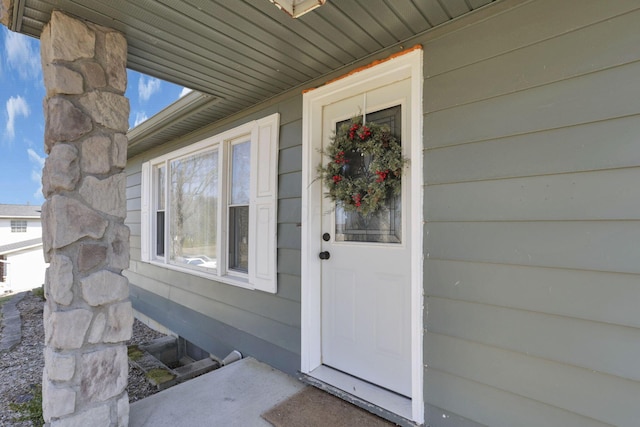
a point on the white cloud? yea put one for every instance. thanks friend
(22, 55)
(147, 87)
(141, 116)
(36, 172)
(185, 90)
(35, 157)
(16, 106)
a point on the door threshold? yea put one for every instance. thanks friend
(381, 402)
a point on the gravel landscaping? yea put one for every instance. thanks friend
(21, 367)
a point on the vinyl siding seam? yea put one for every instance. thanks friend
(504, 178)
(430, 258)
(511, 135)
(509, 221)
(528, 310)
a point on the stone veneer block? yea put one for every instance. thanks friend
(119, 253)
(60, 367)
(65, 330)
(56, 401)
(107, 109)
(61, 170)
(58, 79)
(119, 323)
(104, 287)
(96, 156)
(97, 329)
(66, 220)
(120, 145)
(99, 416)
(103, 374)
(106, 195)
(116, 60)
(64, 122)
(91, 256)
(66, 39)
(6, 12)
(93, 74)
(60, 271)
(123, 410)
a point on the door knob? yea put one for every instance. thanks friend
(324, 255)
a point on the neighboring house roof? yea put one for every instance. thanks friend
(20, 211)
(19, 246)
(244, 52)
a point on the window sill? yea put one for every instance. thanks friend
(241, 282)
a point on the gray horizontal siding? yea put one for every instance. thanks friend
(594, 195)
(515, 29)
(216, 337)
(494, 407)
(589, 245)
(269, 324)
(585, 147)
(533, 216)
(566, 103)
(597, 346)
(599, 296)
(615, 399)
(611, 43)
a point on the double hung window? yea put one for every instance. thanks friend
(210, 208)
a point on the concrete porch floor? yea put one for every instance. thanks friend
(234, 395)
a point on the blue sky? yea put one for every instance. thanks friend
(22, 121)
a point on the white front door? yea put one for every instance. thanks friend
(366, 282)
(362, 308)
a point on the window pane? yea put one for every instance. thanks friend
(160, 185)
(160, 233)
(239, 238)
(240, 170)
(160, 199)
(193, 210)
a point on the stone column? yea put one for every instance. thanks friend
(87, 315)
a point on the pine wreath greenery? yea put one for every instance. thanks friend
(365, 166)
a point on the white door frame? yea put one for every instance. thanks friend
(408, 65)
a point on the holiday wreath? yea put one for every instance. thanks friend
(364, 168)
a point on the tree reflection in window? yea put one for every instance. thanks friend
(193, 204)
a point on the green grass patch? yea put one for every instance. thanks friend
(38, 292)
(31, 410)
(5, 299)
(159, 375)
(134, 352)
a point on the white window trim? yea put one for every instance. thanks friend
(264, 134)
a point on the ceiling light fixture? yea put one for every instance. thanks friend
(297, 8)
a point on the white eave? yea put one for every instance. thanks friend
(188, 113)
